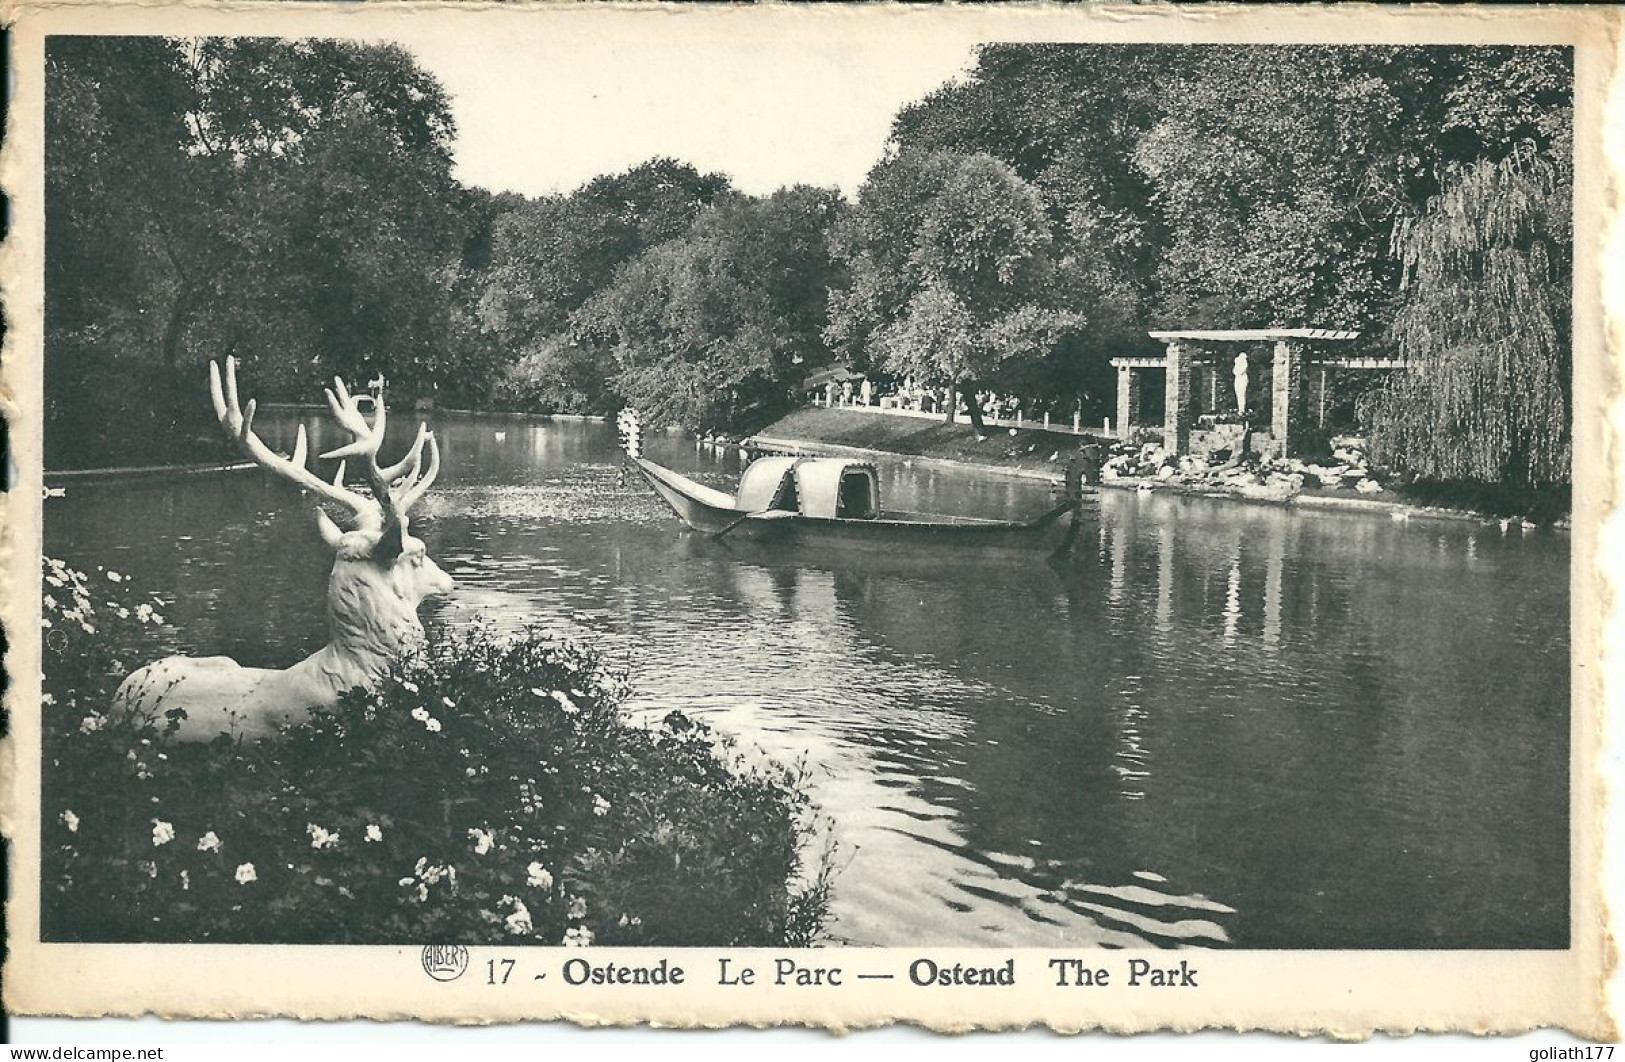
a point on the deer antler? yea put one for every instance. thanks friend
(239, 425)
(394, 489)
(397, 487)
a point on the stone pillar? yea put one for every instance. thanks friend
(1286, 398)
(1128, 401)
(1176, 420)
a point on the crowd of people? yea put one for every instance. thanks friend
(911, 396)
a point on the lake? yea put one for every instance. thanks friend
(1215, 724)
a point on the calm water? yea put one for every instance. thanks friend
(1216, 725)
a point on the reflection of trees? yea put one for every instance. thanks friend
(1264, 708)
(1327, 728)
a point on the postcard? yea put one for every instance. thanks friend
(976, 517)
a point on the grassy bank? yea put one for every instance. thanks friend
(1025, 449)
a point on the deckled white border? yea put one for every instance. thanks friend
(1345, 993)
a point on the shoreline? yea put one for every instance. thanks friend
(1309, 500)
(317, 407)
(84, 475)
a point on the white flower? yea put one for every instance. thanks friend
(483, 840)
(162, 832)
(565, 703)
(448, 702)
(209, 842)
(186, 880)
(578, 907)
(374, 833)
(420, 714)
(519, 921)
(115, 577)
(600, 806)
(320, 838)
(411, 687)
(91, 723)
(70, 820)
(538, 877)
(245, 874)
(578, 937)
(432, 726)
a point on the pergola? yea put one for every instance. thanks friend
(1296, 355)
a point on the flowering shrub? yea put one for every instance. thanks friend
(488, 791)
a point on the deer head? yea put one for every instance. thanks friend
(381, 572)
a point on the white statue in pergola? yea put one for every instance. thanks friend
(1238, 369)
(380, 576)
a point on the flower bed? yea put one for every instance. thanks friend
(489, 791)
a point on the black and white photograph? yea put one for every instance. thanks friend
(552, 489)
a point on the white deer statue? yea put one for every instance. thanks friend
(380, 576)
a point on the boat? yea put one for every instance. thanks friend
(836, 501)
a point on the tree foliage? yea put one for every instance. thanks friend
(951, 272)
(289, 202)
(1210, 186)
(1280, 173)
(1484, 326)
(714, 328)
(293, 203)
(550, 255)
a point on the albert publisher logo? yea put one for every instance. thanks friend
(445, 962)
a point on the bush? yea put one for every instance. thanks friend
(488, 791)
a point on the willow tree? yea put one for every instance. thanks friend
(1484, 325)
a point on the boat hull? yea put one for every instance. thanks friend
(702, 509)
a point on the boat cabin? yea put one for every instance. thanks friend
(826, 487)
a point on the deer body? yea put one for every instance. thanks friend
(380, 576)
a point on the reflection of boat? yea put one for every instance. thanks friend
(812, 500)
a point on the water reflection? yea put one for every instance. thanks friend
(1214, 724)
